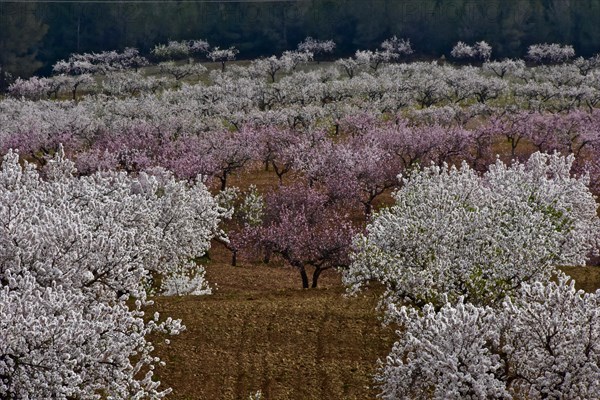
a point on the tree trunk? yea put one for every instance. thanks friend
(368, 208)
(234, 258)
(316, 277)
(303, 275)
(267, 257)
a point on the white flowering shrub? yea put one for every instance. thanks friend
(100, 63)
(292, 59)
(542, 344)
(455, 233)
(252, 208)
(57, 342)
(551, 341)
(222, 55)
(587, 65)
(74, 253)
(550, 52)
(396, 45)
(175, 50)
(188, 218)
(481, 50)
(443, 355)
(374, 59)
(462, 50)
(187, 279)
(314, 46)
(33, 88)
(349, 65)
(171, 50)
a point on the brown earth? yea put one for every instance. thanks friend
(261, 331)
(586, 278)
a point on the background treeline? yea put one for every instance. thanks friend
(34, 35)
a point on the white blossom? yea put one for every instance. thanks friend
(452, 232)
(314, 46)
(399, 46)
(74, 254)
(541, 343)
(480, 50)
(552, 52)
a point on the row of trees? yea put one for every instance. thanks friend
(133, 135)
(468, 252)
(53, 31)
(286, 132)
(462, 251)
(351, 172)
(372, 80)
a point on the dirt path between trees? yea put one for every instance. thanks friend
(260, 331)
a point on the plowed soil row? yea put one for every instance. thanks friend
(261, 331)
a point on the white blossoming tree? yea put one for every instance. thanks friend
(100, 63)
(174, 50)
(75, 256)
(454, 233)
(504, 67)
(316, 47)
(222, 55)
(544, 343)
(33, 88)
(181, 71)
(550, 53)
(397, 46)
(481, 50)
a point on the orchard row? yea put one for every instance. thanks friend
(371, 80)
(366, 149)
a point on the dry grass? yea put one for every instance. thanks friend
(260, 331)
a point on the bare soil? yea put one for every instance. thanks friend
(261, 331)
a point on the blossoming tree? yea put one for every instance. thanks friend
(453, 233)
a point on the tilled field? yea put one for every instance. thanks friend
(259, 331)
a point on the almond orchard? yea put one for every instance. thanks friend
(454, 189)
